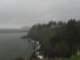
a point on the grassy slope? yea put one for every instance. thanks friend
(74, 58)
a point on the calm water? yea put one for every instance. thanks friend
(11, 46)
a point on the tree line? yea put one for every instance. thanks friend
(57, 39)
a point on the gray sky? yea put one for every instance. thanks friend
(18, 13)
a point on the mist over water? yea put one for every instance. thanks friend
(12, 46)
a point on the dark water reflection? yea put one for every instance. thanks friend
(11, 46)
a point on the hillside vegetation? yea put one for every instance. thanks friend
(57, 39)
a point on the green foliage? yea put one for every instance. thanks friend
(62, 37)
(73, 58)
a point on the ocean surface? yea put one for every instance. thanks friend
(12, 46)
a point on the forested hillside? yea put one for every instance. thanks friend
(57, 39)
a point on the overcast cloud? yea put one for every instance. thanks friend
(18, 13)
